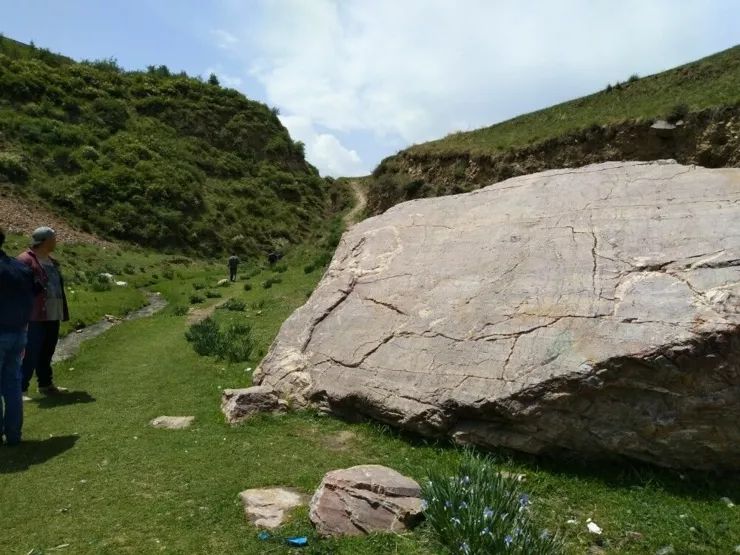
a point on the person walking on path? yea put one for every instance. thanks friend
(233, 266)
(49, 310)
(16, 302)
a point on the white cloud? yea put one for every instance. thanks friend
(324, 150)
(418, 69)
(224, 39)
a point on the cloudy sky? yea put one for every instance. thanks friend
(357, 80)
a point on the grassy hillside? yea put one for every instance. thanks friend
(154, 158)
(711, 81)
(613, 124)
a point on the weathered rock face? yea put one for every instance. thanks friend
(239, 405)
(593, 310)
(364, 499)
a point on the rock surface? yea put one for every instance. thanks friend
(268, 507)
(364, 499)
(240, 404)
(593, 310)
(172, 422)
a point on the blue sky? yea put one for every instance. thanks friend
(357, 80)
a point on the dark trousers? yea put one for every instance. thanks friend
(42, 342)
(232, 273)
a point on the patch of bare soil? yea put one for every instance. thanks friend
(22, 216)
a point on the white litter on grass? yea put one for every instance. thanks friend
(107, 276)
(727, 501)
(122, 283)
(593, 527)
(571, 521)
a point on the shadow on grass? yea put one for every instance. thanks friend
(615, 472)
(28, 453)
(68, 398)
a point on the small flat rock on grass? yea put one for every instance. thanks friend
(172, 422)
(268, 507)
(365, 499)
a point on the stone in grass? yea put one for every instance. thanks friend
(365, 499)
(172, 422)
(241, 404)
(268, 507)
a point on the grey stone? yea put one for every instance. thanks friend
(240, 404)
(172, 422)
(594, 310)
(365, 499)
(269, 507)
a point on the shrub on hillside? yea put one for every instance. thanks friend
(678, 112)
(267, 284)
(198, 286)
(213, 295)
(236, 305)
(204, 337)
(196, 299)
(234, 343)
(179, 310)
(247, 286)
(478, 511)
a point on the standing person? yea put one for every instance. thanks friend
(233, 266)
(49, 310)
(16, 303)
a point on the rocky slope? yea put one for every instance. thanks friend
(594, 310)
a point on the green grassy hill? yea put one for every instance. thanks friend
(613, 123)
(154, 158)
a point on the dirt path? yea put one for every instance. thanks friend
(69, 345)
(360, 203)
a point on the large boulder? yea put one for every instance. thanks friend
(593, 310)
(364, 499)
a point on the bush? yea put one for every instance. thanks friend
(309, 269)
(179, 310)
(100, 284)
(236, 305)
(12, 167)
(271, 281)
(634, 77)
(205, 337)
(199, 286)
(196, 299)
(280, 268)
(478, 511)
(213, 295)
(678, 112)
(247, 286)
(234, 344)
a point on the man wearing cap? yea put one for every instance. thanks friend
(16, 301)
(49, 310)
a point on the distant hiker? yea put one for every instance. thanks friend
(16, 303)
(233, 266)
(49, 310)
(274, 257)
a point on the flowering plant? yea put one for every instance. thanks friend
(479, 511)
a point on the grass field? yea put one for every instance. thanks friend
(712, 81)
(93, 478)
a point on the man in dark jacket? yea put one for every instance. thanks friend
(16, 302)
(233, 266)
(49, 310)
